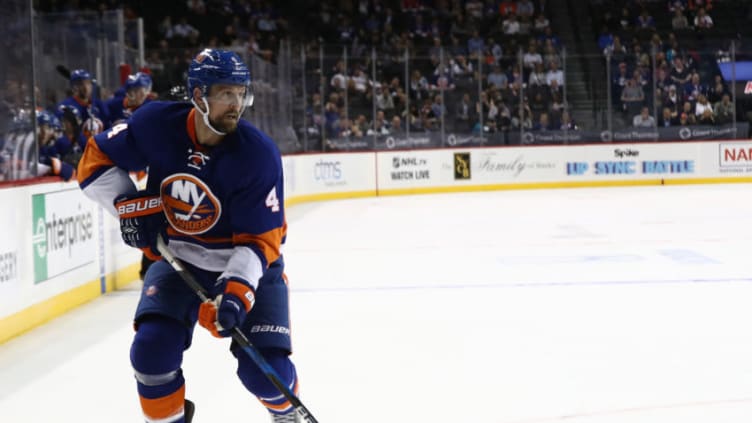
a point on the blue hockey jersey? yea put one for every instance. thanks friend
(224, 204)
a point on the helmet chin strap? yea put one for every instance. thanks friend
(205, 115)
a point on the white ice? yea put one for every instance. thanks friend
(577, 305)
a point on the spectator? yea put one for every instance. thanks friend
(475, 45)
(694, 88)
(540, 23)
(543, 123)
(679, 21)
(716, 93)
(702, 105)
(697, 4)
(645, 21)
(465, 117)
(184, 30)
(379, 126)
(687, 109)
(550, 55)
(537, 76)
(684, 119)
(510, 25)
(680, 74)
(531, 57)
(538, 105)
(707, 117)
(724, 110)
(668, 118)
(632, 97)
(674, 5)
(567, 123)
(525, 8)
(605, 38)
(644, 119)
(554, 73)
(437, 107)
(497, 78)
(384, 100)
(496, 51)
(703, 21)
(616, 51)
(507, 7)
(673, 100)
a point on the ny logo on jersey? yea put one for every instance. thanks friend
(197, 159)
(189, 204)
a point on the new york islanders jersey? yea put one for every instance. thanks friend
(224, 204)
(118, 110)
(95, 109)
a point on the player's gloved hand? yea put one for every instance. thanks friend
(62, 169)
(228, 310)
(141, 221)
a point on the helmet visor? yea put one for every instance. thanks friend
(229, 95)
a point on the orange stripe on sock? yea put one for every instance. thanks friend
(164, 407)
(285, 405)
(277, 407)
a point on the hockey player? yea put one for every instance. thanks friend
(50, 160)
(136, 92)
(133, 94)
(72, 141)
(93, 113)
(215, 190)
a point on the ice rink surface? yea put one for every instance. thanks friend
(571, 305)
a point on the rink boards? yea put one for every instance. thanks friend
(59, 250)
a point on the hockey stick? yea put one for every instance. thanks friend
(237, 335)
(63, 71)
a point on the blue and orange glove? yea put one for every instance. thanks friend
(141, 221)
(228, 310)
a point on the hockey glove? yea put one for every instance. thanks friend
(228, 310)
(141, 221)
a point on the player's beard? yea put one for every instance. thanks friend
(227, 123)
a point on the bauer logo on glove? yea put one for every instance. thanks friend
(141, 221)
(138, 206)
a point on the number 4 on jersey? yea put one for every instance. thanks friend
(272, 201)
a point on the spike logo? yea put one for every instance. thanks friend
(189, 204)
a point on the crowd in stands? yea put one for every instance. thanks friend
(472, 66)
(453, 45)
(663, 57)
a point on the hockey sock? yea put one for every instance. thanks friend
(156, 356)
(257, 383)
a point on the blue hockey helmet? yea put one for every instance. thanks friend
(44, 118)
(79, 75)
(213, 66)
(70, 114)
(138, 80)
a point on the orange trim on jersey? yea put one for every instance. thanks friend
(242, 291)
(92, 160)
(268, 242)
(81, 102)
(164, 407)
(190, 126)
